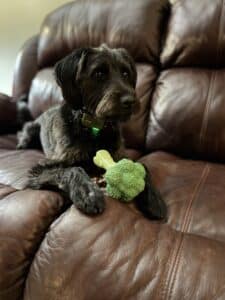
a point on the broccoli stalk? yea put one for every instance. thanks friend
(125, 179)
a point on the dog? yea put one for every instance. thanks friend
(98, 87)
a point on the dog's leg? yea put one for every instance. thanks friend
(75, 156)
(29, 136)
(73, 182)
(72, 156)
(150, 202)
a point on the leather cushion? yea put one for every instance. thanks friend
(150, 259)
(25, 68)
(44, 92)
(24, 219)
(187, 114)
(150, 256)
(194, 192)
(195, 34)
(90, 23)
(191, 189)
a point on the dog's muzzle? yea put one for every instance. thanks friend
(115, 108)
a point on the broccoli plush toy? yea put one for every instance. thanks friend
(125, 179)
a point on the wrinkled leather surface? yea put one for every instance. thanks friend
(109, 266)
(24, 220)
(195, 34)
(187, 113)
(25, 68)
(44, 92)
(90, 23)
(15, 164)
(120, 253)
(134, 131)
(49, 250)
(193, 96)
(194, 193)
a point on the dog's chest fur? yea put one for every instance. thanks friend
(62, 129)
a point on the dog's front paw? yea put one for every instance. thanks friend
(89, 202)
(89, 199)
(33, 184)
(21, 141)
(85, 194)
(21, 146)
(36, 178)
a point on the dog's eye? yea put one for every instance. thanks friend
(100, 73)
(125, 73)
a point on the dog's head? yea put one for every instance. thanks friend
(100, 80)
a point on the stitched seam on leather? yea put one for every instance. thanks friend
(174, 256)
(129, 273)
(207, 171)
(171, 259)
(204, 175)
(186, 224)
(206, 111)
(174, 269)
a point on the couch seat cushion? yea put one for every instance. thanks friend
(194, 192)
(120, 252)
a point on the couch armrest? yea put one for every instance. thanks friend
(24, 219)
(25, 68)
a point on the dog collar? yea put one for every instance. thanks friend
(95, 125)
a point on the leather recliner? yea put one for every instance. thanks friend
(51, 251)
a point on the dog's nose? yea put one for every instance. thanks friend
(127, 101)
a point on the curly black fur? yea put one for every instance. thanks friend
(73, 181)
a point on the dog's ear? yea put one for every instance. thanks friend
(129, 60)
(67, 73)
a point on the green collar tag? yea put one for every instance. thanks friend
(95, 131)
(92, 123)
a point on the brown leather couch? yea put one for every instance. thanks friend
(51, 251)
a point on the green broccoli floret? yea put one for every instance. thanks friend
(125, 179)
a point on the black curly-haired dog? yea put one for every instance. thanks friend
(98, 86)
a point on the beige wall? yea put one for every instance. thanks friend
(19, 19)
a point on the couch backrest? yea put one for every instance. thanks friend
(187, 113)
(132, 24)
(178, 46)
